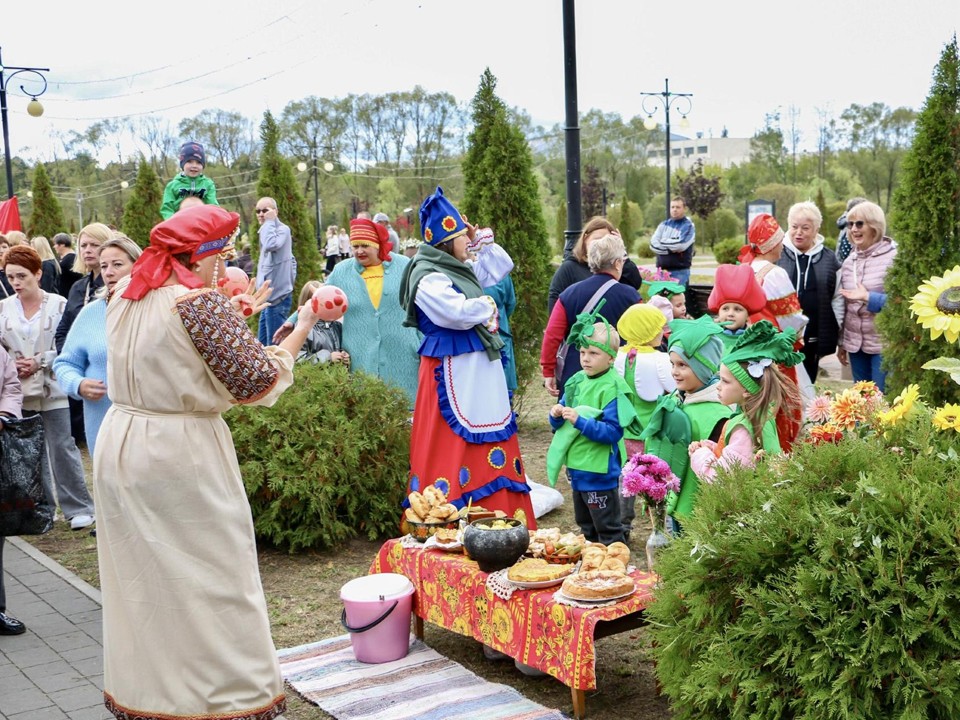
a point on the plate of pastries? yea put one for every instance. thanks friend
(536, 573)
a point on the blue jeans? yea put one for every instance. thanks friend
(866, 366)
(681, 276)
(272, 318)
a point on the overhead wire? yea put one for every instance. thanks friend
(191, 60)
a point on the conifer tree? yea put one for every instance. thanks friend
(926, 212)
(47, 216)
(278, 181)
(821, 203)
(142, 210)
(500, 191)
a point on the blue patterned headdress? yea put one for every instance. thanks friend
(440, 220)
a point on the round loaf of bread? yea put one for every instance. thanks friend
(598, 585)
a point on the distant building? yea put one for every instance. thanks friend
(684, 152)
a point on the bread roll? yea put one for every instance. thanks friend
(411, 516)
(619, 551)
(419, 504)
(592, 557)
(612, 563)
(434, 496)
(451, 509)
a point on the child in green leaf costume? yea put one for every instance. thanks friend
(751, 379)
(693, 412)
(589, 423)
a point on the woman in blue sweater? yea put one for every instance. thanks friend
(81, 367)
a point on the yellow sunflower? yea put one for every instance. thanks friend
(901, 406)
(947, 418)
(937, 305)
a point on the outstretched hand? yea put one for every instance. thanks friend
(252, 301)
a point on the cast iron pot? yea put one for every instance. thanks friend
(496, 549)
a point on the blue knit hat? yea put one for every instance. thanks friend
(440, 220)
(192, 151)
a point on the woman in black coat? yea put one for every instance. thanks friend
(574, 268)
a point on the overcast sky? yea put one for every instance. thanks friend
(739, 59)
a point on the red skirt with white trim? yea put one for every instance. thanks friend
(490, 474)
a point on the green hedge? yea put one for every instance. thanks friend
(326, 463)
(824, 586)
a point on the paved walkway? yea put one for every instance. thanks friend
(55, 669)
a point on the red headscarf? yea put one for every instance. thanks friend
(763, 235)
(200, 231)
(367, 232)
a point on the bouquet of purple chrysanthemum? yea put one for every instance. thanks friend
(650, 477)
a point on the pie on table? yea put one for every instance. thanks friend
(598, 585)
(537, 570)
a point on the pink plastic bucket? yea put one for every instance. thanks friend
(376, 613)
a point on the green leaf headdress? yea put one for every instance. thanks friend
(581, 333)
(666, 288)
(760, 346)
(696, 342)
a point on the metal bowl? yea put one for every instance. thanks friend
(496, 548)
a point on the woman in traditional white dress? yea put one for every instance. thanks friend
(185, 626)
(464, 437)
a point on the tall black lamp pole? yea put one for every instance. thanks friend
(572, 130)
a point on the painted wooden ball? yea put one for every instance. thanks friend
(329, 302)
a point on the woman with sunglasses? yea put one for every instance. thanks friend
(862, 278)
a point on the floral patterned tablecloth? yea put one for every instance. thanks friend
(532, 627)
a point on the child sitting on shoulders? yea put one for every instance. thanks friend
(647, 370)
(589, 423)
(324, 342)
(736, 295)
(190, 181)
(751, 380)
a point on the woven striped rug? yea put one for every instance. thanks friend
(422, 686)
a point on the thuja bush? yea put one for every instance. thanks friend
(328, 461)
(726, 251)
(824, 586)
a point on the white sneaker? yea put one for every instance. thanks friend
(79, 522)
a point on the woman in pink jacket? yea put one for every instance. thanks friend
(862, 277)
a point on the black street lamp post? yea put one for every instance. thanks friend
(666, 99)
(327, 166)
(34, 108)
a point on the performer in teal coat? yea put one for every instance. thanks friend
(373, 330)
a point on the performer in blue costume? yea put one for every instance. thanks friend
(464, 437)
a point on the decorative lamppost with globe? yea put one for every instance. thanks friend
(665, 98)
(34, 108)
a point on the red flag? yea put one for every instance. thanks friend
(9, 215)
